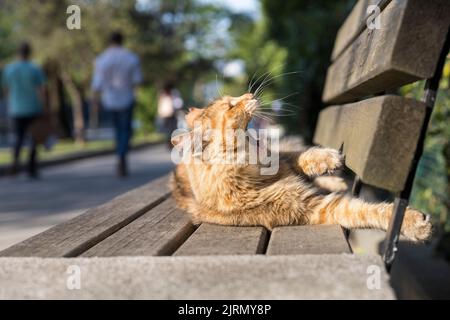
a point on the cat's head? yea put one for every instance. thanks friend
(224, 113)
(215, 122)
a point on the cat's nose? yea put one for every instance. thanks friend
(243, 98)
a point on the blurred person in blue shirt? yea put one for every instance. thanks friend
(24, 85)
(117, 73)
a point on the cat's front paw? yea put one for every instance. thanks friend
(416, 226)
(318, 161)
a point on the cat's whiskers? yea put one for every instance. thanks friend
(256, 81)
(268, 105)
(269, 81)
(263, 117)
(250, 83)
(261, 76)
(279, 114)
(217, 87)
(262, 85)
(279, 99)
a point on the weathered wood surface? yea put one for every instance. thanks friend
(355, 24)
(158, 232)
(146, 222)
(327, 276)
(315, 239)
(378, 135)
(405, 49)
(73, 237)
(211, 239)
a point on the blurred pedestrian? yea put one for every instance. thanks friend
(169, 105)
(24, 85)
(117, 73)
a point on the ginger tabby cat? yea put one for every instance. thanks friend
(238, 194)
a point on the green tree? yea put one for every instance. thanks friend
(431, 192)
(70, 52)
(263, 58)
(6, 33)
(307, 29)
(175, 40)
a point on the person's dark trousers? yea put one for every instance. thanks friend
(122, 120)
(21, 128)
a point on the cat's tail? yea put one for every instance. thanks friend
(355, 213)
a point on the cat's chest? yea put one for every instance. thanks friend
(214, 182)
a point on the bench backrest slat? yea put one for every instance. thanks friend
(378, 137)
(355, 24)
(404, 50)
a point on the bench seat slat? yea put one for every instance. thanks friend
(404, 50)
(211, 239)
(75, 236)
(379, 137)
(158, 232)
(315, 239)
(331, 276)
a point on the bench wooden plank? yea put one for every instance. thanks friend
(211, 239)
(354, 25)
(158, 232)
(315, 239)
(75, 236)
(328, 276)
(405, 49)
(379, 137)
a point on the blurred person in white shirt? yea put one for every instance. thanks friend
(117, 73)
(170, 104)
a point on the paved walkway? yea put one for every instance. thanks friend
(29, 207)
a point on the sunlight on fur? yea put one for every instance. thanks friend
(238, 194)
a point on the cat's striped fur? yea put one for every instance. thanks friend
(232, 194)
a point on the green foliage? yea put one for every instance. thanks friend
(260, 55)
(146, 108)
(431, 192)
(307, 30)
(176, 40)
(6, 34)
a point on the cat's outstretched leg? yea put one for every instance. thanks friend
(355, 213)
(317, 161)
(331, 183)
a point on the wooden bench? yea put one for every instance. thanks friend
(146, 222)
(175, 259)
(139, 245)
(380, 134)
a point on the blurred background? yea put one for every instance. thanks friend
(204, 48)
(201, 46)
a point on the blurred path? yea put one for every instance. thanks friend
(29, 207)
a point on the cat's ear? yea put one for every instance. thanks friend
(194, 114)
